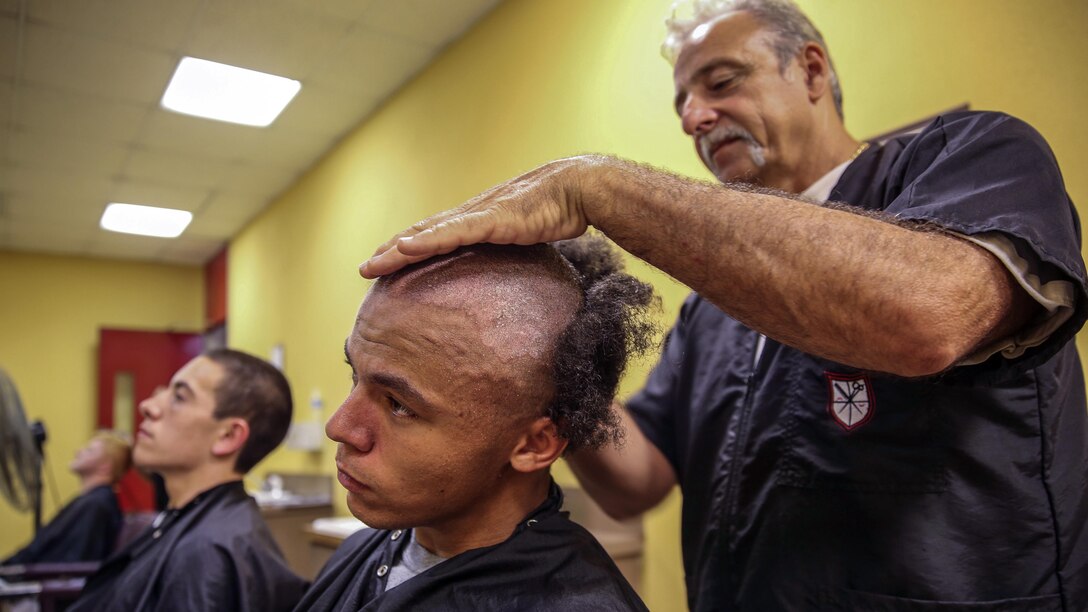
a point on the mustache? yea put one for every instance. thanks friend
(721, 133)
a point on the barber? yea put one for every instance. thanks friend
(871, 402)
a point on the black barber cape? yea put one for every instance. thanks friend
(84, 530)
(216, 553)
(549, 563)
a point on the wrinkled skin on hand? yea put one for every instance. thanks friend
(543, 205)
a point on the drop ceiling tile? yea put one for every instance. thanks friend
(63, 154)
(54, 111)
(370, 63)
(7, 98)
(267, 35)
(64, 211)
(151, 194)
(169, 168)
(230, 207)
(225, 215)
(78, 62)
(431, 22)
(290, 148)
(169, 131)
(265, 182)
(159, 24)
(44, 180)
(9, 40)
(343, 9)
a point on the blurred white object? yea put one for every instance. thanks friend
(337, 526)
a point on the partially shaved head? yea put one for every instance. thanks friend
(521, 331)
(519, 299)
(473, 372)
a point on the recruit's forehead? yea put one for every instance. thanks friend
(515, 303)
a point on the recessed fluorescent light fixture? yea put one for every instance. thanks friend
(228, 93)
(145, 220)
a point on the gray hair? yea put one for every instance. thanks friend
(785, 21)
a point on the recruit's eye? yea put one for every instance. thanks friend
(399, 410)
(354, 376)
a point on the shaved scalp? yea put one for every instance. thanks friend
(557, 352)
(521, 297)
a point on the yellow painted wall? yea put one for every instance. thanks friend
(50, 311)
(540, 79)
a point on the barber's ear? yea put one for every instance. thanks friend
(538, 447)
(817, 70)
(232, 436)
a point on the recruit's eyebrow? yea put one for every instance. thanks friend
(397, 384)
(401, 387)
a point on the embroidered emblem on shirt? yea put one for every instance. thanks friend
(850, 399)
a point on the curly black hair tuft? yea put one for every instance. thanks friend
(613, 324)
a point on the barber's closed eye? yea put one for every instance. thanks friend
(722, 84)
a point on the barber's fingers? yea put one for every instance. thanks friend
(387, 262)
(435, 235)
(532, 208)
(416, 228)
(474, 224)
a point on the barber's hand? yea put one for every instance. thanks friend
(543, 205)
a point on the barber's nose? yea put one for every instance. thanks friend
(697, 117)
(351, 424)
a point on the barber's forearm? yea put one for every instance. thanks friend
(830, 282)
(624, 482)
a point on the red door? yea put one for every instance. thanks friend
(131, 364)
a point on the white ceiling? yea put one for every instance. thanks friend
(81, 124)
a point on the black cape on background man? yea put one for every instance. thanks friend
(84, 530)
(549, 564)
(216, 553)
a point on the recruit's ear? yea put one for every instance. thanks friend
(538, 447)
(232, 435)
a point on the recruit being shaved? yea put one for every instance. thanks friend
(471, 375)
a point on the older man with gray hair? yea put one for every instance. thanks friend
(872, 399)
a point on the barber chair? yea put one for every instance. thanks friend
(54, 585)
(57, 585)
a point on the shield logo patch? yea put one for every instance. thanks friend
(850, 399)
